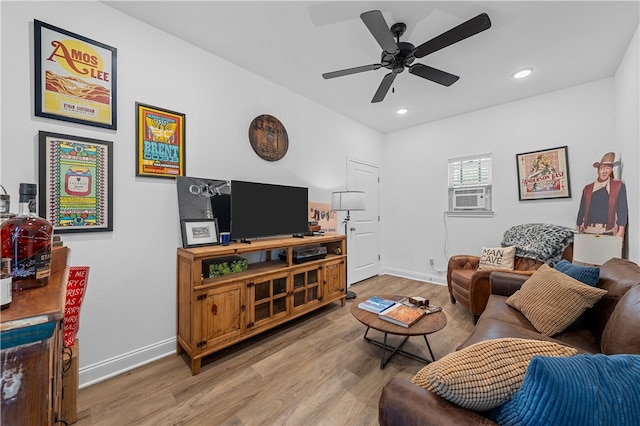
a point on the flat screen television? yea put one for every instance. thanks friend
(267, 210)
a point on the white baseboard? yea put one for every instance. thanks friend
(103, 370)
(418, 276)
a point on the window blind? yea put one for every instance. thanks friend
(465, 171)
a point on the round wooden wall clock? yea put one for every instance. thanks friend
(268, 138)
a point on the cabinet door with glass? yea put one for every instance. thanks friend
(222, 315)
(334, 280)
(306, 291)
(267, 297)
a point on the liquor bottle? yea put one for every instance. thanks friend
(26, 241)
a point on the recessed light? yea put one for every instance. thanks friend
(526, 72)
(401, 111)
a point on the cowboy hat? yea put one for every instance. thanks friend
(607, 160)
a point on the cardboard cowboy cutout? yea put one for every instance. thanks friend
(603, 207)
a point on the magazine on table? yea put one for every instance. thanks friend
(402, 315)
(376, 304)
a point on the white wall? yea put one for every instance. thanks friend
(414, 178)
(129, 312)
(627, 107)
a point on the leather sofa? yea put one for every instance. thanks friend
(612, 326)
(469, 285)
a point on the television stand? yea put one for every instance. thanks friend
(215, 313)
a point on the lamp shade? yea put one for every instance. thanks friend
(594, 249)
(347, 200)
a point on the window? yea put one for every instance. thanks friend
(465, 171)
(470, 185)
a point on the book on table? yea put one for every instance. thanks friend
(376, 304)
(402, 315)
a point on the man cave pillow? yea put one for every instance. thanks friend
(497, 257)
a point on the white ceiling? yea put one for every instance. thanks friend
(293, 42)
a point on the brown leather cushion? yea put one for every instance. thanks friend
(552, 301)
(485, 375)
(622, 332)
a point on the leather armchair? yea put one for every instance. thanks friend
(470, 286)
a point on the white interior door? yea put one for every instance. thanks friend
(362, 230)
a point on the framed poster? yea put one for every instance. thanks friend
(543, 174)
(76, 181)
(75, 77)
(199, 232)
(322, 215)
(160, 142)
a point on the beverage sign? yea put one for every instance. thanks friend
(75, 77)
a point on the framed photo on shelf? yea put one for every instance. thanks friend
(543, 174)
(75, 77)
(199, 232)
(160, 142)
(75, 183)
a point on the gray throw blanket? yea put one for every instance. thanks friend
(539, 241)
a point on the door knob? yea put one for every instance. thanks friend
(353, 228)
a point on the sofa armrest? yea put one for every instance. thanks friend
(463, 261)
(460, 261)
(507, 283)
(402, 403)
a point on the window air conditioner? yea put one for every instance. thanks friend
(468, 198)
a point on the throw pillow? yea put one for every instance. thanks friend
(497, 257)
(585, 274)
(552, 301)
(486, 374)
(582, 390)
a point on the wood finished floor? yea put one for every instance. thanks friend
(316, 370)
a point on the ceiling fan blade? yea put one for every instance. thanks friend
(465, 30)
(380, 30)
(433, 74)
(349, 71)
(386, 83)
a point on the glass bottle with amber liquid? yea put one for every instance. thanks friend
(26, 242)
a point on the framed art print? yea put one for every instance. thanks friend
(75, 77)
(160, 142)
(543, 174)
(76, 181)
(199, 232)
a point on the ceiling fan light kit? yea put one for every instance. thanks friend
(398, 55)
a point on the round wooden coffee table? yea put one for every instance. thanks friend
(426, 325)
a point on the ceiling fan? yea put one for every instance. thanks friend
(398, 55)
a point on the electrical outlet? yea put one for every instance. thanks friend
(431, 261)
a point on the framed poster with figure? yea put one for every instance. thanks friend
(75, 77)
(543, 174)
(75, 183)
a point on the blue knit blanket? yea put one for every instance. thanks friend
(584, 390)
(539, 241)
